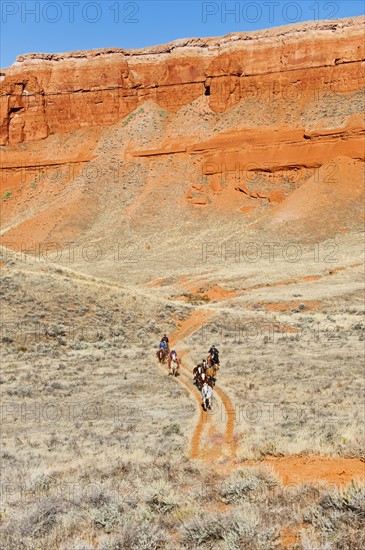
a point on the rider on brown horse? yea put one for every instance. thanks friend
(166, 340)
(162, 351)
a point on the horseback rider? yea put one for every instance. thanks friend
(173, 363)
(162, 351)
(166, 341)
(207, 394)
(214, 354)
(173, 355)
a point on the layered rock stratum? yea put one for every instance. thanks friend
(263, 127)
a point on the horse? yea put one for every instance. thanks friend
(161, 355)
(211, 362)
(211, 373)
(201, 379)
(207, 394)
(174, 365)
(203, 365)
(197, 371)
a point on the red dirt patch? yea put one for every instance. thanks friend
(218, 293)
(290, 535)
(246, 209)
(198, 290)
(282, 307)
(311, 278)
(302, 469)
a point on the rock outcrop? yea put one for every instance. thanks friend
(42, 94)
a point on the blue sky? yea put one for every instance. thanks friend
(65, 25)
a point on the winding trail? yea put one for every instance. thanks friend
(213, 437)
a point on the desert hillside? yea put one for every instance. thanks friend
(211, 189)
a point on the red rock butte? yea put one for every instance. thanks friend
(267, 125)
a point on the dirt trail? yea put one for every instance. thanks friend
(213, 437)
(304, 279)
(190, 325)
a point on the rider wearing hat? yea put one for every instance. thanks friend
(214, 353)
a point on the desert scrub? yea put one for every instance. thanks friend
(245, 530)
(107, 516)
(201, 530)
(196, 299)
(6, 195)
(110, 543)
(172, 428)
(163, 114)
(160, 498)
(337, 520)
(22, 391)
(238, 485)
(42, 517)
(146, 537)
(231, 531)
(131, 116)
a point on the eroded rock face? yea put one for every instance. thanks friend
(229, 124)
(43, 94)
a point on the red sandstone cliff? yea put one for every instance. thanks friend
(231, 123)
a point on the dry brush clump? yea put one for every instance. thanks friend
(337, 520)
